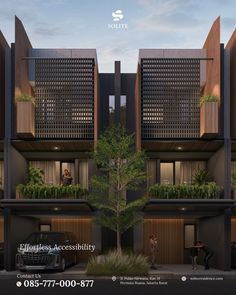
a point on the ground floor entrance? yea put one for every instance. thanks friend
(170, 237)
(74, 218)
(233, 229)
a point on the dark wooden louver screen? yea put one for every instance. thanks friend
(64, 91)
(170, 92)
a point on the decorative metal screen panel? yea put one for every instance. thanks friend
(64, 92)
(170, 92)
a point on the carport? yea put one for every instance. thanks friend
(177, 223)
(22, 217)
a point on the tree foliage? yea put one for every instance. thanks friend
(121, 168)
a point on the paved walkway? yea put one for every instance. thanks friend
(167, 271)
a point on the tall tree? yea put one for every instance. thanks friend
(121, 168)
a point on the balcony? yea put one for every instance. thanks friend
(44, 182)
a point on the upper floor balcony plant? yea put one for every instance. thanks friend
(234, 185)
(209, 116)
(184, 191)
(35, 188)
(202, 188)
(25, 116)
(1, 188)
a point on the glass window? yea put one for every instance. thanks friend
(123, 110)
(111, 109)
(167, 173)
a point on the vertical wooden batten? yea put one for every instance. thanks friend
(22, 45)
(209, 120)
(170, 237)
(233, 229)
(25, 119)
(1, 229)
(213, 81)
(231, 45)
(82, 230)
(24, 111)
(3, 46)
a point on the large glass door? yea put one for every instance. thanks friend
(167, 173)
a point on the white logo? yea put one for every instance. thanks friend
(117, 15)
(183, 278)
(113, 278)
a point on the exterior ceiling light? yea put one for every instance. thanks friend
(56, 148)
(179, 148)
(183, 209)
(56, 209)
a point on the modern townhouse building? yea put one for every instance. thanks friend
(231, 52)
(160, 103)
(56, 133)
(179, 137)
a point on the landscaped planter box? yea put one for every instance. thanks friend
(182, 191)
(35, 191)
(25, 119)
(209, 120)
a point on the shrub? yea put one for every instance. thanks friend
(35, 176)
(36, 191)
(234, 180)
(208, 98)
(181, 191)
(118, 264)
(25, 97)
(201, 176)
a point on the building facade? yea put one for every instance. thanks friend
(74, 103)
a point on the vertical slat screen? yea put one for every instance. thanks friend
(170, 92)
(64, 92)
(233, 230)
(1, 229)
(170, 236)
(80, 227)
(1, 173)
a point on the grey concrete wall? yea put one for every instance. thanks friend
(97, 236)
(216, 166)
(127, 88)
(18, 228)
(106, 88)
(138, 237)
(215, 233)
(17, 170)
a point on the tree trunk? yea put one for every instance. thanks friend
(118, 242)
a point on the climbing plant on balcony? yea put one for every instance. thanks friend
(25, 98)
(208, 98)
